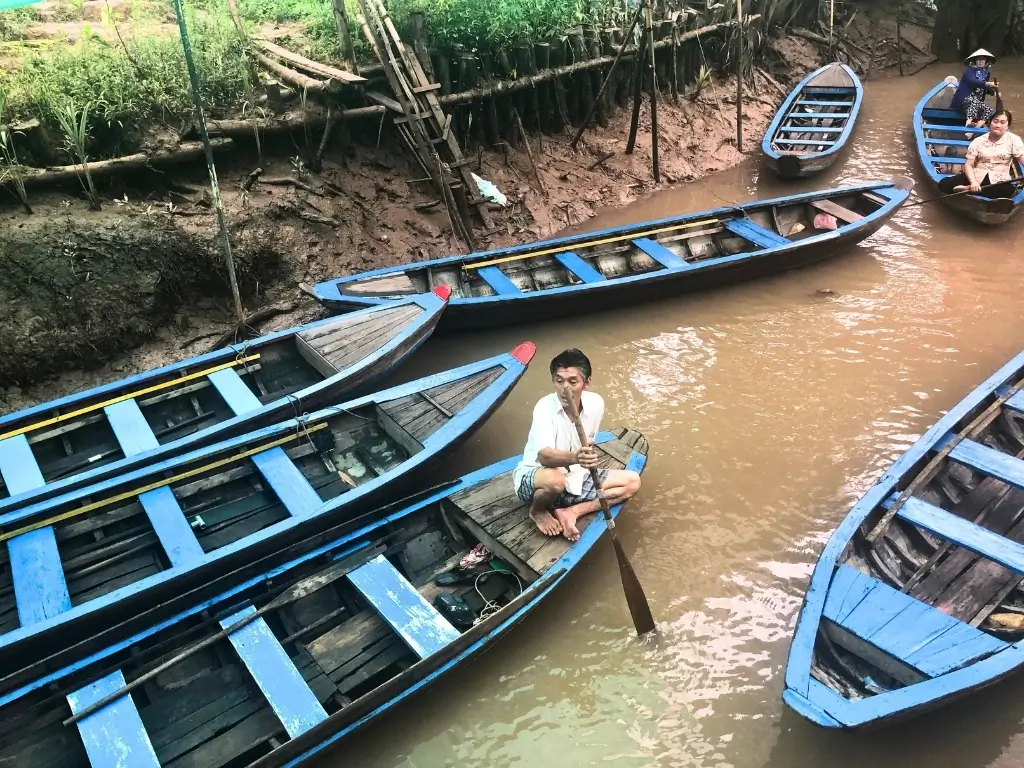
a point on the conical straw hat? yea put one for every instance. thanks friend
(981, 53)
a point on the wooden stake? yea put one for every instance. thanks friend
(193, 77)
(638, 84)
(529, 152)
(649, 23)
(899, 34)
(739, 75)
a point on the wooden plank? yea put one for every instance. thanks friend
(989, 461)
(845, 214)
(130, 427)
(275, 674)
(499, 281)
(314, 358)
(579, 267)
(796, 115)
(755, 233)
(961, 129)
(172, 528)
(956, 648)
(114, 736)
(236, 394)
(660, 253)
(948, 142)
(848, 588)
(18, 466)
(416, 621)
(223, 746)
(290, 485)
(805, 142)
(942, 114)
(819, 103)
(965, 533)
(809, 129)
(948, 160)
(863, 649)
(40, 589)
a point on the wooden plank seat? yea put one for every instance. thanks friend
(948, 160)
(795, 115)
(837, 210)
(113, 736)
(398, 602)
(236, 394)
(1016, 402)
(499, 281)
(989, 461)
(130, 427)
(818, 103)
(819, 90)
(805, 142)
(579, 267)
(904, 637)
(953, 129)
(660, 253)
(171, 526)
(755, 233)
(283, 687)
(942, 114)
(809, 129)
(948, 142)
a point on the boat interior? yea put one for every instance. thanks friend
(122, 534)
(923, 589)
(54, 444)
(638, 250)
(337, 635)
(818, 116)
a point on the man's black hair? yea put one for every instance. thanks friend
(571, 358)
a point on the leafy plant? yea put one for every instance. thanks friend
(75, 126)
(12, 170)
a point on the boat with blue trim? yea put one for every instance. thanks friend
(57, 446)
(281, 668)
(942, 140)
(814, 123)
(917, 598)
(623, 265)
(102, 555)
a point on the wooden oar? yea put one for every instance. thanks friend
(963, 192)
(999, 99)
(639, 608)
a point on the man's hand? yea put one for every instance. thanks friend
(975, 186)
(587, 457)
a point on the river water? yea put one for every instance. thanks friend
(770, 408)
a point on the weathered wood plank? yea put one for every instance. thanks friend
(114, 735)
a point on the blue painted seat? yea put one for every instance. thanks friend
(1016, 402)
(818, 90)
(399, 603)
(949, 142)
(822, 142)
(282, 685)
(499, 281)
(755, 233)
(579, 267)
(40, 590)
(131, 429)
(914, 634)
(942, 114)
(660, 253)
(114, 735)
(816, 103)
(953, 129)
(809, 129)
(948, 160)
(989, 461)
(236, 394)
(171, 526)
(815, 115)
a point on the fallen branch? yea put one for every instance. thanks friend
(600, 161)
(285, 181)
(249, 327)
(293, 78)
(251, 179)
(315, 67)
(244, 128)
(69, 173)
(508, 86)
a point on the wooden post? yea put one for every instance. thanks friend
(899, 34)
(348, 54)
(193, 77)
(675, 58)
(654, 98)
(542, 60)
(419, 44)
(739, 75)
(638, 84)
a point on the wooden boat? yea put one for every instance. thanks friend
(814, 123)
(917, 597)
(83, 438)
(942, 140)
(285, 666)
(615, 267)
(98, 555)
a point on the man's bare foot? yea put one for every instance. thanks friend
(568, 523)
(546, 523)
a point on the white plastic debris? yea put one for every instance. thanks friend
(489, 191)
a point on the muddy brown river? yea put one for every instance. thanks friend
(770, 407)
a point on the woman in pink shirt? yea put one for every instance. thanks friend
(989, 161)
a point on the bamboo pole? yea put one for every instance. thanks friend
(899, 34)
(649, 24)
(193, 77)
(739, 76)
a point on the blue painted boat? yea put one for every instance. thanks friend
(942, 140)
(284, 666)
(814, 123)
(630, 264)
(86, 437)
(916, 599)
(98, 556)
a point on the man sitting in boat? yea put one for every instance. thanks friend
(554, 474)
(988, 168)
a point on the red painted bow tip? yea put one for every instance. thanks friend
(524, 352)
(443, 292)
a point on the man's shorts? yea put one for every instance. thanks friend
(587, 492)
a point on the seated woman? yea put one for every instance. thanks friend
(989, 160)
(975, 84)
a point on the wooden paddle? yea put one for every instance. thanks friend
(963, 192)
(639, 608)
(999, 98)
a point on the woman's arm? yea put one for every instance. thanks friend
(970, 173)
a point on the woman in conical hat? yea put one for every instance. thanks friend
(975, 84)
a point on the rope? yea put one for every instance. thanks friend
(491, 607)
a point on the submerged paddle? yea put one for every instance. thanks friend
(639, 608)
